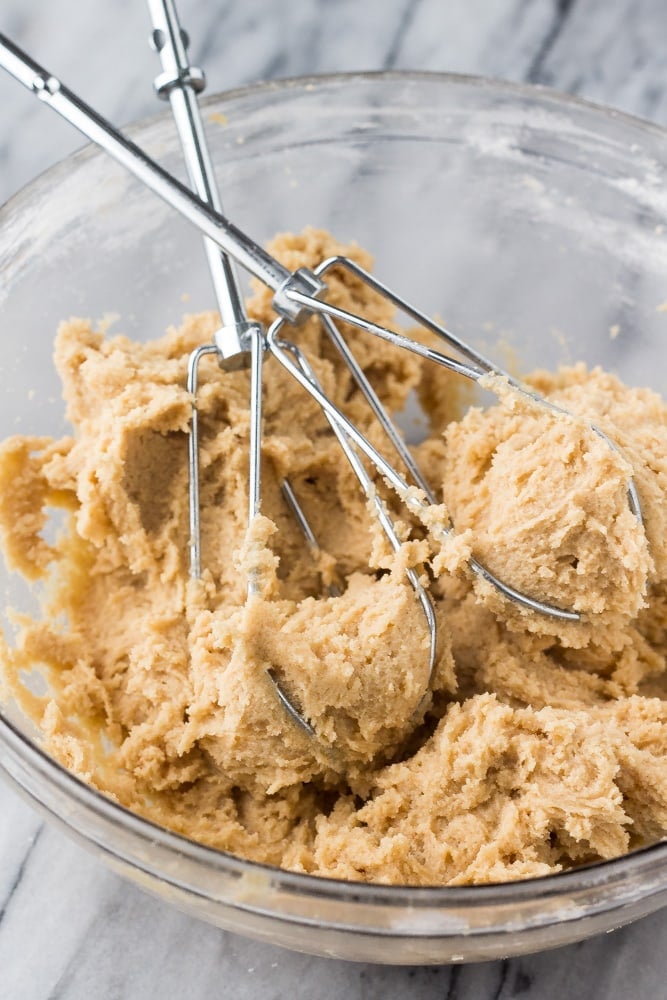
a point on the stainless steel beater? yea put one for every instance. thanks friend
(298, 295)
(239, 342)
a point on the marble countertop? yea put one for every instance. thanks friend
(69, 928)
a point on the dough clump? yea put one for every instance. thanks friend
(535, 747)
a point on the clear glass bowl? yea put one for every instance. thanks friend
(534, 224)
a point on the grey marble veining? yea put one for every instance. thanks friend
(70, 929)
(605, 50)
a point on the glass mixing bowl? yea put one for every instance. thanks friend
(534, 224)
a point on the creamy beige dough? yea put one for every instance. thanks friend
(546, 497)
(537, 746)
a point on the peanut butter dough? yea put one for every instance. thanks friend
(538, 745)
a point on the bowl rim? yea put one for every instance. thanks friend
(310, 81)
(584, 877)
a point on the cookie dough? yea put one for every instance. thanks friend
(546, 497)
(536, 747)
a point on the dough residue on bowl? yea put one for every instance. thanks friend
(539, 746)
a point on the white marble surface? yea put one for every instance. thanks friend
(69, 929)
